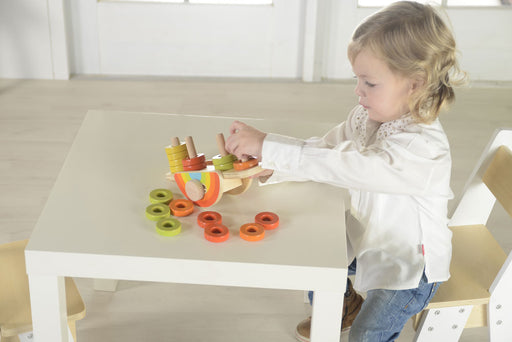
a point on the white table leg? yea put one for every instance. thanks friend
(326, 316)
(48, 302)
(109, 285)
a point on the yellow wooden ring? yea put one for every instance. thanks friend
(177, 156)
(157, 211)
(168, 227)
(176, 149)
(174, 163)
(160, 196)
(175, 169)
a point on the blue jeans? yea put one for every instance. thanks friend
(385, 312)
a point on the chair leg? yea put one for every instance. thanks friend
(109, 285)
(444, 324)
(500, 304)
(72, 329)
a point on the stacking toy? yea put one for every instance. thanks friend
(194, 161)
(175, 154)
(158, 211)
(181, 207)
(268, 220)
(208, 217)
(160, 196)
(216, 232)
(252, 232)
(168, 227)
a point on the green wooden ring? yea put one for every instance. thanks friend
(224, 167)
(168, 227)
(157, 211)
(218, 160)
(160, 196)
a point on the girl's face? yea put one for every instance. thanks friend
(383, 93)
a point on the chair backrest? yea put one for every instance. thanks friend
(498, 177)
(481, 191)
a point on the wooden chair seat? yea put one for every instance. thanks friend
(15, 312)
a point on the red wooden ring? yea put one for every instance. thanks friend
(199, 159)
(181, 207)
(268, 220)
(252, 232)
(195, 167)
(208, 217)
(216, 233)
(244, 165)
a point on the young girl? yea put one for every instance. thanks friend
(393, 156)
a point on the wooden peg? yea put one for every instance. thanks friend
(190, 147)
(221, 143)
(175, 141)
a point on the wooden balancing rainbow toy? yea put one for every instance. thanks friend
(204, 182)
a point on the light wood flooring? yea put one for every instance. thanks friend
(39, 119)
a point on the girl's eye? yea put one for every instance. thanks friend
(371, 85)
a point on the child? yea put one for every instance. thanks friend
(393, 156)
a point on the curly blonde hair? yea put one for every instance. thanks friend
(414, 42)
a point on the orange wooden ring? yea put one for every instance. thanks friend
(252, 232)
(268, 220)
(244, 165)
(181, 207)
(216, 232)
(208, 217)
(199, 159)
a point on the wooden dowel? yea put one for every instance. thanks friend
(190, 147)
(175, 141)
(221, 143)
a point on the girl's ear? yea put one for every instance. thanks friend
(416, 84)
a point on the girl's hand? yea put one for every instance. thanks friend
(263, 175)
(245, 141)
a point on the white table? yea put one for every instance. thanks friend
(93, 225)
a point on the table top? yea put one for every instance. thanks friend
(94, 223)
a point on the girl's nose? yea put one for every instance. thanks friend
(358, 90)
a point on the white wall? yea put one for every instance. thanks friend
(291, 39)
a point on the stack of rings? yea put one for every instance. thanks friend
(223, 163)
(268, 220)
(195, 163)
(216, 232)
(176, 154)
(160, 196)
(157, 211)
(168, 227)
(243, 165)
(252, 232)
(208, 217)
(181, 207)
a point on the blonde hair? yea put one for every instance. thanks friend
(414, 42)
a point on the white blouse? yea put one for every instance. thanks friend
(398, 177)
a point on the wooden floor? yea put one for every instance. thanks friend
(39, 119)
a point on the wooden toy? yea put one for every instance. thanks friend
(208, 217)
(223, 161)
(168, 227)
(194, 161)
(268, 220)
(181, 207)
(216, 233)
(160, 196)
(157, 211)
(240, 165)
(176, 153)
(205, 186)
(252, 232)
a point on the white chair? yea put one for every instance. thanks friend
(479, 292)
(15, 313)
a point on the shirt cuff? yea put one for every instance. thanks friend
(281, 153)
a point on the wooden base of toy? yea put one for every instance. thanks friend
(205, 187)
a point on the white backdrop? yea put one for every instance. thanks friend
(297, 39)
